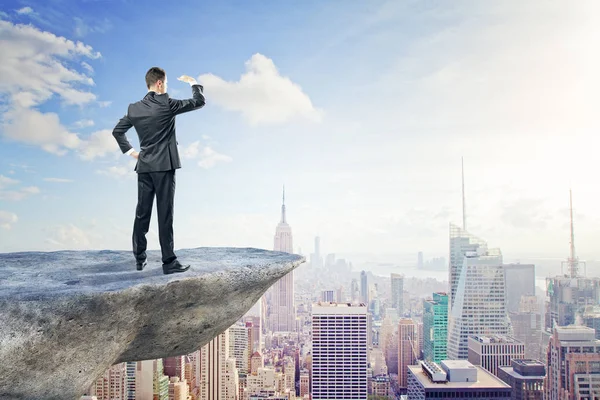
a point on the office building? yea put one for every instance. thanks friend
(175, 366)
(398, 293)
(178, 389)
(239, 346)
(457, 379)
(526, 378)
(480, 303)
(381, 385)
(218, 374)
(527, 327)
(408, 343)
(364, 288)
(435, 327)
(573, 363)
(328, 296)
(568, 297)
(304, 383)
(493, 351)
(461, 242)
(339, 359)
(519, 280)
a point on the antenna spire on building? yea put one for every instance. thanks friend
(283, 206)
(573, 260)
(464, 206)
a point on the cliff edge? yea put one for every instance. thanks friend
(66, 316)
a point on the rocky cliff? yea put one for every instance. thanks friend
(66, 316)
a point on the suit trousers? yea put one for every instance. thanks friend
(161, 184)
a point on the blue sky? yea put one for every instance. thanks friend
(362, 109)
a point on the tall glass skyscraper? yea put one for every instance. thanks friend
(435, 327)
(480, 304)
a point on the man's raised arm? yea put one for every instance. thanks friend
(197, 101)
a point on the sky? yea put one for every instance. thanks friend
(362, 110)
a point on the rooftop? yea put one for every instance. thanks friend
(485, 380)
(458, 364)
(515, 374)
(334, 304)
(494, 339)
(576, 333)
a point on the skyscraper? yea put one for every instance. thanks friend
(461, 242)
(480, 304)
(239, 346)
(527, 326)
(175, 366)
(354, 291)
(569, 295)
(458, 380)
(364, 288)
(519, 281)
(494, 351)
(435, 327)
(408, 343)
(573, 364)
(339, 362)
(526, 377)
(282, 312)
(217, 369)
(398, 293)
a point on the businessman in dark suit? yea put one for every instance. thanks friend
(154, 120)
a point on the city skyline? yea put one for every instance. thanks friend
(380, 180)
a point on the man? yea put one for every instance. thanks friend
(154, 120)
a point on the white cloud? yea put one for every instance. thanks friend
(83, 123)
(58, 180)
(32, 72)
(7, 219)
(69, 237)
(191, 151)
(6, 181)
(119, 172)
(98, 144)
(87, 67)
(24, 10)
(83, 28)
(104, 104)
(208, 157)
(19, 194)
(31, 63)
(32, 127)
(261, 95)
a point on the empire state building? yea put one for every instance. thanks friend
(282, 316)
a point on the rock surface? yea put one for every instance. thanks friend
(65, 317)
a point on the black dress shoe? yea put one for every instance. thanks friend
(140, 265)
(173, 267)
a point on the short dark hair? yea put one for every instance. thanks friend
(153, 75)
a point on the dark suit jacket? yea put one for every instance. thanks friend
(154, 120)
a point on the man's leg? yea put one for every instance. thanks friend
(143, 212)
(164, 183)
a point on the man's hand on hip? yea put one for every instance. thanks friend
(135, 155)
